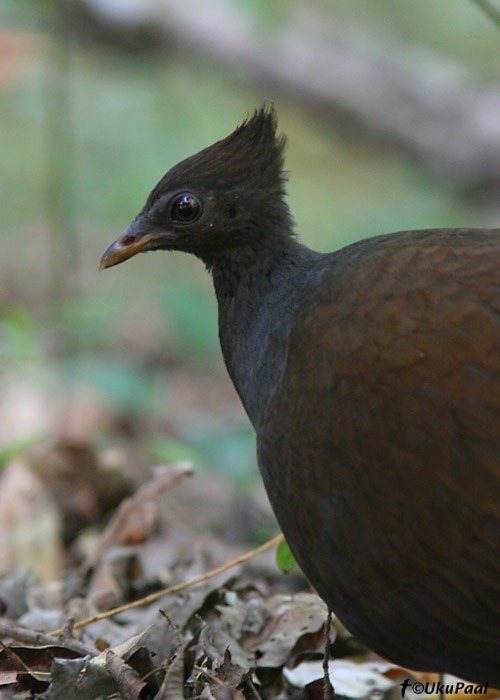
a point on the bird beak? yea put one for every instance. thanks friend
(132, 241)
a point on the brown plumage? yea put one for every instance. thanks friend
(391, 397)
(372, 378)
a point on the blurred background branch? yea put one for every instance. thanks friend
(405, 94)
(490, 9)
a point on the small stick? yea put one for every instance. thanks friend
(174, 589)
(327, 686)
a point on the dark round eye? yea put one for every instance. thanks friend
(186, 208)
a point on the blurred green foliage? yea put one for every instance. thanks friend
(132, 116)
(18, 343)
(129, 387)
(193, 315)
(217, 444)
(17, 447)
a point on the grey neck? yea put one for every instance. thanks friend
(256, 306)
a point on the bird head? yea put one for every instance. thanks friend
(228, 196)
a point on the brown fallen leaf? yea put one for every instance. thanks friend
(17, 662)
(172, 687)
(30, 524)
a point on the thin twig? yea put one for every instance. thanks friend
(174, 589)
(488, 9)
(327, 686)
(173, 628)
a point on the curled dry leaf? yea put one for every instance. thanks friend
(131, 524)
(172, 687)
(18, 662)
(135, 517)
(127, 680)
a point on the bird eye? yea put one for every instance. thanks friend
(185, 208)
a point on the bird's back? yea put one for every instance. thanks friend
(381, 447)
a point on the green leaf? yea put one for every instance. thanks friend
(18, 447)
(284, 557)
(170, 450)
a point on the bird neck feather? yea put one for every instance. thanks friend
(257, 297)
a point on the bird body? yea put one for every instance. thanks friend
(372, 378)
(384, 430)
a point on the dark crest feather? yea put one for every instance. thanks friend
(251, 153)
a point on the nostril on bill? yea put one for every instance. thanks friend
(128, 240)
